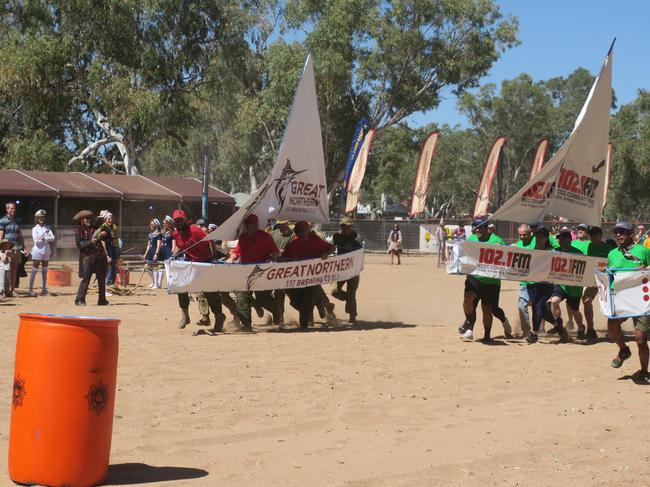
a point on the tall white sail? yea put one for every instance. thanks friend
(572, 183)
(296, 189)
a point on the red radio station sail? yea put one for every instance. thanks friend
(489, 173)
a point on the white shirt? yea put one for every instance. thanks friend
(42, 236)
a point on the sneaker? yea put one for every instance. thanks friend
(331, 319)
(102, 303)
(322, 312)
(507, 329)
(623, 355)
(108, 293)
(564, 335)
(44, 292)
(352, 319)
(464, 327)
(468, 335)
(80, 303)
(204, 321)
(553, 331)
(31, 294)
(581, 333)
(592, 335)
(532, 337)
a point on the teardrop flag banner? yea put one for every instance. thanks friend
(489, 172)
(358, 171)
(540, 158)
(422, 172)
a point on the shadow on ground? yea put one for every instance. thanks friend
(141, 473)
(358, 326)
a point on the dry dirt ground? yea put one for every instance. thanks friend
(397, 400)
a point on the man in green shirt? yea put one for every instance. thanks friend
(629, 255)
(483, 289)
(561, 292)
(596, 247)
(526, 241)
(582, 242)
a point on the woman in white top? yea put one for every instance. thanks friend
(41, 236)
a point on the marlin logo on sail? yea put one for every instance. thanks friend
(283, 183)
(595, 169)
(257, 272)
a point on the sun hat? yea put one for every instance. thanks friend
(82, 214)
(346, 221)
(252, 218)
(6, 244)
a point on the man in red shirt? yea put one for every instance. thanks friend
(254, 246)
(188, 240)
(306, 245)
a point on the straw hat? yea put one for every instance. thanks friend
(346, 221)
(82, 214)
(6, 245)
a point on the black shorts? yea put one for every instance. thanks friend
(488, 293)
(573, 302)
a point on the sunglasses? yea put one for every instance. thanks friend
(620, 231)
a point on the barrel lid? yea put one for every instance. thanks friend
(59, 317)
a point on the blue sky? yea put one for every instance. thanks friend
(559, 36)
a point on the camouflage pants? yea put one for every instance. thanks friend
(349, 295)
(229, 303)
(244, 300)
(211, 301)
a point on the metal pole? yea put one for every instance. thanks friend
(206, 183)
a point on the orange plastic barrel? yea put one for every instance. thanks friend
(63, 401)
(59, 277)
(122, 277)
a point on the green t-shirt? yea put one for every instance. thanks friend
(601, 250)
(640, 257)
(581, 245)
(493, 239)
(572, 291)
(553, 241)
(531, 246)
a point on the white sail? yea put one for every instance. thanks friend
(296, 189)
(572, 183)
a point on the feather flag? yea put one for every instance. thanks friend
(359, 134)
(422, 172)
(358, 171)
(540, 158)
(489, 172)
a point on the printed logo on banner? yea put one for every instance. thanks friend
(257, 272)
(504, 261)
(303, 197)
(568, 268)
(538, 194)
(578, 188)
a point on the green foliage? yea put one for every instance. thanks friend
(630, 133)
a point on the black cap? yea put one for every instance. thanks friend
(564, 233)
(583, 226)
(624, 225)
(479, 222)
(595, 230)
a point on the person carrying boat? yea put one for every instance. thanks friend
(305, 245)
(629, 255)
(347, 240)
(254, 246)
(282, 235)
(188, 240)
(484, 289)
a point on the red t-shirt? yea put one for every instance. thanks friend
(255, 248)
(185, 239)
(311, 248)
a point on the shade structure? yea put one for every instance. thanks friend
(75, 185)
(190, 189)
(17, 183)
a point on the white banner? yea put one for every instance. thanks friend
(572, 183)
(630, 296)
(512, 263)
(296, 189)
(193, 277)
(428, 240)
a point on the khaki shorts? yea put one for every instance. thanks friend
(642, 323)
